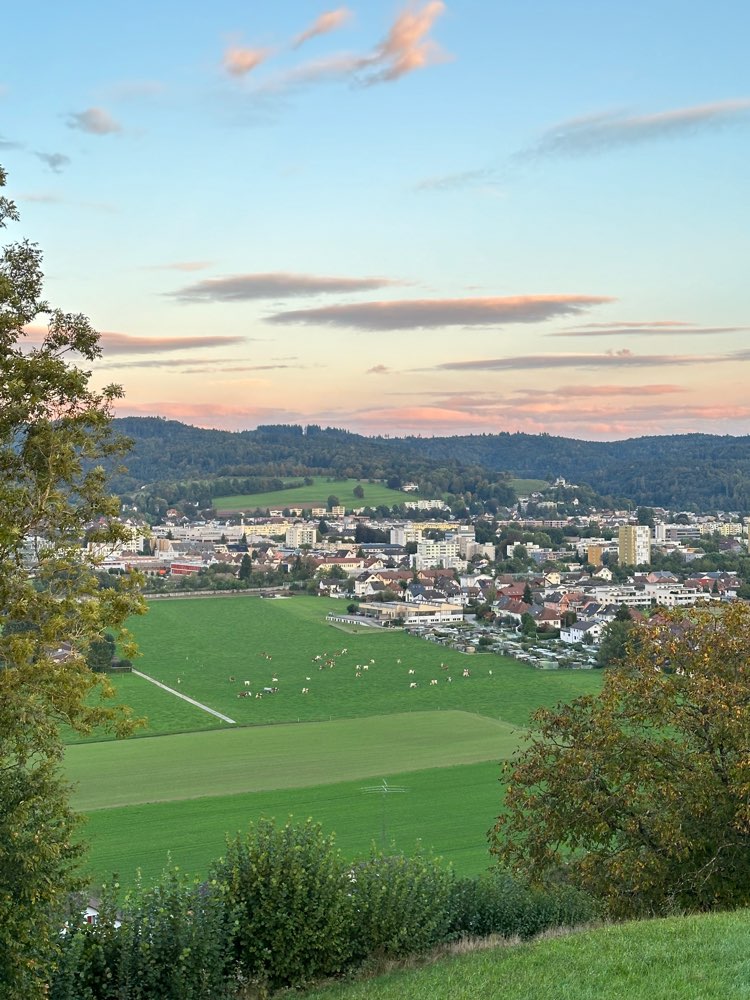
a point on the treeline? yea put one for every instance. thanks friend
(283, 909)
(180, 463)
(680, 472)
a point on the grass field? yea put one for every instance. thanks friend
(276, 757)
(448, 810)
(315, 496)
(683, 958)
(196, 646)
(198, 779)
(526, 486)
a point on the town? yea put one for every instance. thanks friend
(542, 589)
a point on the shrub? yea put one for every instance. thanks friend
(497, 903)
(171, 942)
(289, 889)
(402, 905)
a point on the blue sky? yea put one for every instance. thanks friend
(436, 217)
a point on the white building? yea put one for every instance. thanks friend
(298, 535)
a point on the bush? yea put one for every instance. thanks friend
(290, 891)
(497, 903)
(171, 942)
(402, 905)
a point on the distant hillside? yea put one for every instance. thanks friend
(691, 471)
(168, 452)
(688, 471)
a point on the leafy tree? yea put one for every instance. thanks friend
(358, 492)
(528, 625)
(332, 501)
(613, 646)
(100, 653)
(639, 795)
(246, 568)
(55, 431)
(528, 597)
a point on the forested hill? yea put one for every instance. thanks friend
(686, 471)
(691, 471)
(168, 452)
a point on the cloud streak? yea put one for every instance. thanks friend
(668, 328)
(330, 20)
(612, 359)
(406, 48)
(246, 287)
(431, 313)
(599, 133)
(95, 121)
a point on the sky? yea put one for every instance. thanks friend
(432, 218)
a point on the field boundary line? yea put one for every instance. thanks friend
(177, 694)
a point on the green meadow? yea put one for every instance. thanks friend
(315, 496)
(681, 958)
(525, 486)
(191, 779)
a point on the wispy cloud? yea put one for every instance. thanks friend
(407, 47)
(95, 121)
(328, 21)
(657, 327)
(244, 287)
(378, 370)
(612, 359)
(180, 265)
(55, 161)
(239, 61)
(424, 313)
(599, 391)
(600, 132)
(9, 143)
(124, 343)
(456, 181)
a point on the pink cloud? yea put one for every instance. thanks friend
(406, 46)
(328, 21)
(238, 61)
(125, 343)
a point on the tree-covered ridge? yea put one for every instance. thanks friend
(690, 471)
(677, 471)
(191, 461)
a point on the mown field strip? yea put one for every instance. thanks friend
(221, 762)
(192, 701)
(448, 810)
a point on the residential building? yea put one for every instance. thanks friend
(634, 544)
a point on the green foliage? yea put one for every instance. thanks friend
(288, 888)
(55, 431)
(498, 903)
(402, 905)
(38, 863)
(641, 795)
(170, 942)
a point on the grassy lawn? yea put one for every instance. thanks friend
(275, 757)
(448, 809)
(525, 486)
(682, 958)
(208, 649)
(316, 496)
(197, 779)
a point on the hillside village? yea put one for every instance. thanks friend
(429, 570)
